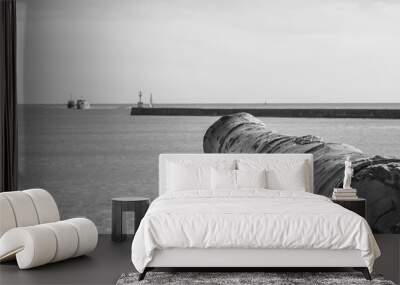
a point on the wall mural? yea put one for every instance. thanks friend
(104, 89)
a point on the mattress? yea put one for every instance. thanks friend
(251, 219)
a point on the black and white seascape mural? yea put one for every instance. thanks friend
(106, 86)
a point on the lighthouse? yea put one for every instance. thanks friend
(151, 101)
(140, 102)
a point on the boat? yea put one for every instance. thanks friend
(82, 104)
(71, 103)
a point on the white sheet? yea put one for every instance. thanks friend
(250, 219)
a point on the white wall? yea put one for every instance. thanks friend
(209, 51)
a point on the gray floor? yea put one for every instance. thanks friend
(103, 266)
(389, 262)
(110, 260)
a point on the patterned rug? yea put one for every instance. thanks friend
(269, 278)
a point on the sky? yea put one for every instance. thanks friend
(209, 51)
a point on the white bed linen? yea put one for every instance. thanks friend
(250, 218)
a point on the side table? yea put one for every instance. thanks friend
(138, 205)
(358, 205)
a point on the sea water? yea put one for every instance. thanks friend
(84, 158)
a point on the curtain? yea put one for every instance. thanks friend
(8, 92)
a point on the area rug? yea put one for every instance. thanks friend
(269, 278)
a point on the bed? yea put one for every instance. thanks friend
(246, 211)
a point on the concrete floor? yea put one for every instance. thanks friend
(110, 260)
(389, 263)
(103, 266)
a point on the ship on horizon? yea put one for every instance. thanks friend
(71, 103)
(80, 104)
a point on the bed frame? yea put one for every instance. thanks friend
(245, 258)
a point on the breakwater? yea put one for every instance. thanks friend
(272, 112)
(376, 178)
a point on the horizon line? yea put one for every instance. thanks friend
(222, 103)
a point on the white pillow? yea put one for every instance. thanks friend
(223, 179)
(288, 176)
(281, 174)
(182, 177)
(251, 178)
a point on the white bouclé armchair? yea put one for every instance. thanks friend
(31, 231)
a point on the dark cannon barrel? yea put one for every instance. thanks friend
(376, 178)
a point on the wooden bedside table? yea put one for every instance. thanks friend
(138, 205)
(358, 206)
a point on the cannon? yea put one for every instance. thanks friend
(376, 178)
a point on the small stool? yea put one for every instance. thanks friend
(138, 205)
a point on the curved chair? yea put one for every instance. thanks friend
(32, 233)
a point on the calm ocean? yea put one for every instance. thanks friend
(87, 157)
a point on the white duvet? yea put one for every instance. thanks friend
(250, 219)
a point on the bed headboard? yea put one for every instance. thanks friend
(215, 157)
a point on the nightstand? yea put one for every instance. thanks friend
(138, 205)
(358, 206)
